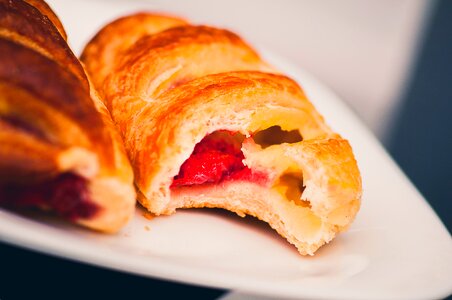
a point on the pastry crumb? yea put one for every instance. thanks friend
(147, 228)
(148, 215)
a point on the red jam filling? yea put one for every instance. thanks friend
(67, 195)
(215, 159)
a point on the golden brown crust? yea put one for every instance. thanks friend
(214, 102)
(45, 9)
(182, 51)
(165, 60)
(50, 120)
(56, 91)
(119, 35)
(28, 158)
(25, 24)
(168, 90)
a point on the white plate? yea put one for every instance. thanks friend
(397, 247)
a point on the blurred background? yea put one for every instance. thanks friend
(390, 60)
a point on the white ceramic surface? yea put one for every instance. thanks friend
(396, 249)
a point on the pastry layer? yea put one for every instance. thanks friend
(52, 123)
(27, 25)
(160, 62)
(45, 9)
(174, 93)
(110, 43)
(38, 92)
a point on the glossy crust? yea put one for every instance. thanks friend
(118, 36)
(162, 61)
(25, 24)
(52, 123)
(45, 9)
(169, 90)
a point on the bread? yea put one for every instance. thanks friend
(207, 123)
(59, 148)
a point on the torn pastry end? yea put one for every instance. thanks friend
(251, 143)
(229, 171)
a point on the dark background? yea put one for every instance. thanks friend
(421, 140)
(421, 143)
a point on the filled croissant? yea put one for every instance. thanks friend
(207, 123)
(59, 150)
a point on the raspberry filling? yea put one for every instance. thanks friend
(217, 157)
(67, 195)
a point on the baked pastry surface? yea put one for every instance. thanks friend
(207, 123)
(59, 148)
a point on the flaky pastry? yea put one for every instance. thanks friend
(207, 123)
(59, 149)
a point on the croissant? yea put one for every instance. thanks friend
(59, 150)
(207, 123)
